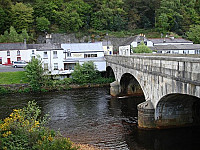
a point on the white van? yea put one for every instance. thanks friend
(19, 64)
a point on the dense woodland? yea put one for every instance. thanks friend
(19, 17)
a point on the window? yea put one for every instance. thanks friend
(90, 55)
(45, 66)
(69, 66)
(33, 52)
(18, 53)
(45, 55)
(55, 54)
(8, 53)
(55, 66)
(68, 53)
(197, 52)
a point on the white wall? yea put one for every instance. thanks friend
(124, 50)
(24, 55)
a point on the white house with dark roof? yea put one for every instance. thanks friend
(83, 52)
(126, 47)
(178, 49)
(169, 41)
(108, 47)
(10, 52)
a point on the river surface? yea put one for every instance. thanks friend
(92, 116)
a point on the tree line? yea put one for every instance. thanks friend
(65, 16)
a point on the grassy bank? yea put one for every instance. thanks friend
(13, 77)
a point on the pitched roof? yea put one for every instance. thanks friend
(169, 40)
(13, 46)
(47, 46)
(178, 47)
(83, 47)
(136, 38)
(105, 43)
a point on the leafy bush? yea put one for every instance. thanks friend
(102, 80)
(142, 48)
(85, 73)
(35, 74)
(4, 90)
(24, 129)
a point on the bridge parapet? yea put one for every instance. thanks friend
(184, 69)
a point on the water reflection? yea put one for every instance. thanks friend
(91, 116)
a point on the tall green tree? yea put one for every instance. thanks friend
(74, 16)
(42, 24)
(35, 74)
(47, 9)
(109, 15)
(194, 34)
(22, 16)
(12, 36)
(5, 15)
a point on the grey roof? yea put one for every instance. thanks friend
(169, 40)
(104, 43)
(83, 47)
(178, 47)
(13, 46)
(47, 46)
(136, 38)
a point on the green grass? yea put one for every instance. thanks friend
(13, 77)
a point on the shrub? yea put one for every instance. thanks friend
(24, 129)
(142, 48)
(35, 74)
(85, 73)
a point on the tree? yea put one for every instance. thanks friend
(142, 48)
(194, 34)
(85, 73)
(108, 15)
(35, 74)
(74, 17)
(42, 24)
(22, 16)
(13, 36)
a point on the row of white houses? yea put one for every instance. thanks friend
(57, 58)
(169, 45)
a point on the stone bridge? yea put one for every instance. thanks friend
(169, 83)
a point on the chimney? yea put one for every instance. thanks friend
(48, 38)
(25, 44)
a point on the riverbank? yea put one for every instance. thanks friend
(25, 88)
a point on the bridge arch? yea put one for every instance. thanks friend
(176, 108)
(109, 72)
(129, 85)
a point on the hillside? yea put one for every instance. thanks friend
(31, 18)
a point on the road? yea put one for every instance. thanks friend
(9, 69)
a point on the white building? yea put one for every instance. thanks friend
(10, 52)
(126, 47)
(169, 41)
(178, 49)
(108, 47)
(83, 52)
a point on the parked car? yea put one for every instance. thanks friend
(19, 64)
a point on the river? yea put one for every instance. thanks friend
(92, 116)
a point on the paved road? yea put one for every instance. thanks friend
(9, 69)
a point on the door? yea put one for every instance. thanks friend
(0, 60)
(18, 58)
(8, 61)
